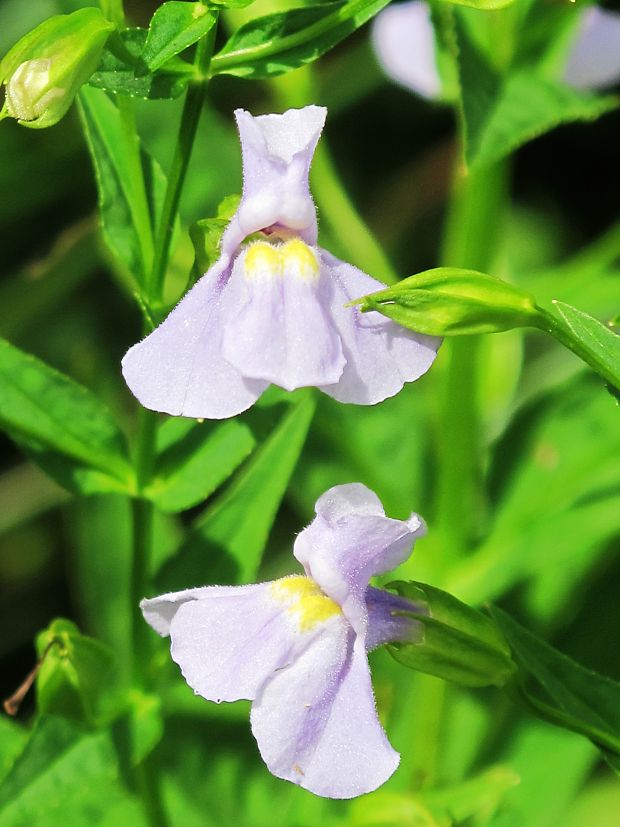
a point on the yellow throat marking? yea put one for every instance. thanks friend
(293, 258)
(305, 600)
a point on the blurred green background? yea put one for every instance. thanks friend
(551, 436)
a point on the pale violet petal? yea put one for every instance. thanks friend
(348, 542)
(277, 152)
(283, 332)
(386, 621)
(229, 641)
(594, 56)
(404, 41)
(380, 355)
(179, 369)
(316, 723)
(159, 611)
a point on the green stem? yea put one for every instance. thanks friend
(470, 241)
(190, 117)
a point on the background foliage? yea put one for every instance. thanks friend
(535, 528)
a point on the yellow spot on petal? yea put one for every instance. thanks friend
(305, 601)
(299, 260)
(262, 260)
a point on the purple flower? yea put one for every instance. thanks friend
(273, 310)
(404, 41)
(594, 56)
(297, 647)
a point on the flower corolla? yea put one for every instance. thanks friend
(296, 647)
(404, 42)
(273, 308)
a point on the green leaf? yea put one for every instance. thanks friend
(555, 496)
(271, 45)
(228, 540)
(175, 26)
(501, 113)
(62, 425)
(597, 341)
(129, 207)
(195, 459)
(122, 69)
(562, 691)
(206, 235)
(75, 676)
(13, 738)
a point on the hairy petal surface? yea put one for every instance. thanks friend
(348, 542)
(380, 355)
(179, 368)
(230, 641)
(277, 152)
(283, 332)
(316, 723)
(404, 41)
(159, 611)
(594, 57)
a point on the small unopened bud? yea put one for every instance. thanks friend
(43, 72)
(452, 302)
(458, 643)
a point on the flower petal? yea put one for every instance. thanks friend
(594, 58)
(385, 624)
(230, 640)
(178, 369)
(348, 542)
(404, 40)
(380, 355)
(316, 724)
(283, 333)
(277, 151)
(159, 611)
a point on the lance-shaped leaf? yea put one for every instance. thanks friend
(130, 184)
(228, 540)
(280, 42)
(562, 691)
(175, 26)
(65, 427)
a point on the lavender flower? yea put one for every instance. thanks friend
(297, 647)
(273, 310)
(404, 41)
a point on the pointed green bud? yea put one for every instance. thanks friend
(458, 643)
(44, 71)
(452, 302)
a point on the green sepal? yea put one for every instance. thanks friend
(448, 301)
(206, 235)
(455, 642)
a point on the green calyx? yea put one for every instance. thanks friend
(44, 70)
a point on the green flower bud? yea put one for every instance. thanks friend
(43, 72)
(452, 302)
(458, 643)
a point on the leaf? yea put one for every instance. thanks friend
(128, 204)
(561, 690)
(271, 45)
(175, 26)
(13, 738)
(122, 69)
(501, 113)
(228, 540)
(62, 424)
(195, 459)
(595, 338)
(555, 480)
